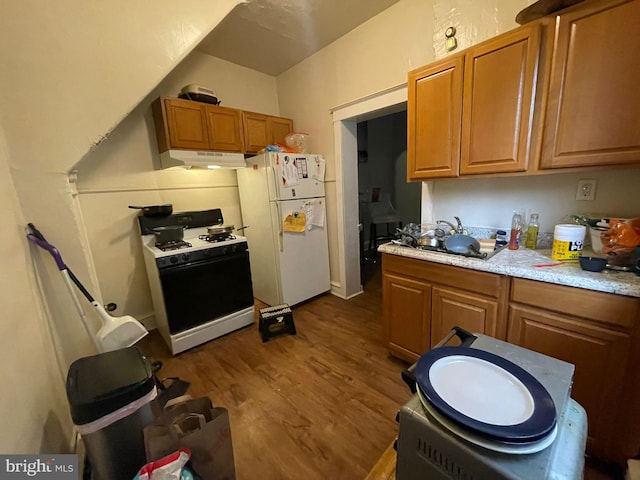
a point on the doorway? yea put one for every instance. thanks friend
(383, 190)
(345, 120)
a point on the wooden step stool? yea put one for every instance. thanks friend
(276, 320)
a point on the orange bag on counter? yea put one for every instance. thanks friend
(621, 235)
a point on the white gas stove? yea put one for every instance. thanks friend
(201, 285)
(196, 244)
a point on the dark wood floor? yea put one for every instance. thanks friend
(316, 405)
(320, 404)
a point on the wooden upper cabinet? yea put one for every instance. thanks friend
(261, 130)
(280, 127)
(433, 119)
(593, 113)
(224, 128)
(472, 113)
(185, 124)
(256, 135)
(499, 95)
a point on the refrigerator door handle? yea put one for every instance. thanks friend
(280, 227)
(276, 184)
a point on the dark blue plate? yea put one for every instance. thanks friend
(537, 426)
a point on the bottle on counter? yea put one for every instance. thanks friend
(532, 231)
(516, 230)
(501, 239)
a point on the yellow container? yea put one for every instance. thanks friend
(568, 240)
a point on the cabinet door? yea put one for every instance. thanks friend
(499, 94)
(451, 308)
(594, 100)
(224, 128)
(433, 120)
(407, 306)
(256, 131)
(279, 128)
(187, 124)
(599, 355)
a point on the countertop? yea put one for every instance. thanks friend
(520, 263)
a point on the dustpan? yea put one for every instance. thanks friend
(115, 332)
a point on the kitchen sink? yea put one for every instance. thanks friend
(442, 249)
(432, 238)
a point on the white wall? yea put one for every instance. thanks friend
(490, 202)
(375, 57)
(125, 170)
(70, 73)
(32, 408)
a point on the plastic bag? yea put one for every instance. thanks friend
(621, 235)
(167, 468)
(196, 425)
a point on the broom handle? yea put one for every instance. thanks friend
(83, 316)
(77, 283)
(37, 238)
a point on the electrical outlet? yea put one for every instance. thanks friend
(586, 189)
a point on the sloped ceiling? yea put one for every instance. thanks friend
(271, 36)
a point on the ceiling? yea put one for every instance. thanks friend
(271, 36)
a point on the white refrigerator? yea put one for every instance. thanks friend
(282, 198)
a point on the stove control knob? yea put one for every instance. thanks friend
(226, 249)
(185, 256)
(173, 259)
(207, 252)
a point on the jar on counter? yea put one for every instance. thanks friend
(501, 239)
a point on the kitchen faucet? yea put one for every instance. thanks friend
(456, 228)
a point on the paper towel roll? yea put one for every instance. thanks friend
(486, 244)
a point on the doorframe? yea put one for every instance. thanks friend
(345, 119)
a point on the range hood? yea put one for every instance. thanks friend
(205, 159)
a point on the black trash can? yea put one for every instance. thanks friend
(110, 398)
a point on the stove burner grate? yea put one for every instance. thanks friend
(172, 245)
(215, 238)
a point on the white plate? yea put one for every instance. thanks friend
(483, 442)
(474, 387)
(486, 394)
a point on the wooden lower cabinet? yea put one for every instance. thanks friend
(407, 307)
(595, 331)
(422, 301)
(594, 334)
(451, 308)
